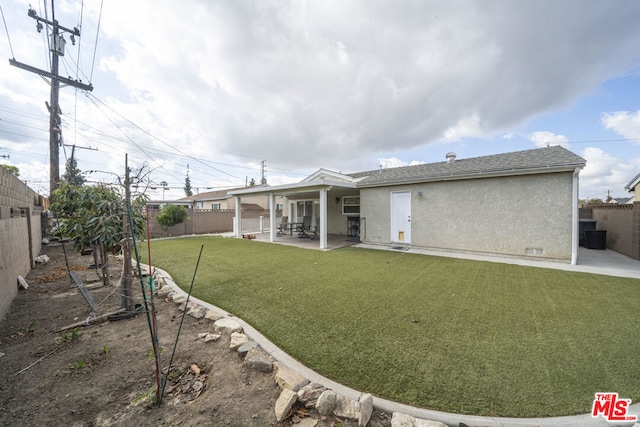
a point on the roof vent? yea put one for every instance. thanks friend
(451, 157)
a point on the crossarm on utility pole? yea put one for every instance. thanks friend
(44, 73)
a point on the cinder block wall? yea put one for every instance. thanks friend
(201, 221)
(635, 245)
(622, 223)
(617, 220)
(20, 234)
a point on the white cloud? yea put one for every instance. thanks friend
(259, 78)
(322, 84)
(394, 162)
(465, 128)
(391, 162)
(605, 173)
(623, 123)
(544, 138)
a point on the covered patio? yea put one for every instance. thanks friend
(328, 199)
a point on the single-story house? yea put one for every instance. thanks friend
(216, 200)
(619, 200)
(522, 203)
(159, 204)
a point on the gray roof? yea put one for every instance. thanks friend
(621, 200)
(632, 184)
(540, 160)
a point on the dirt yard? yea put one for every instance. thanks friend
(101, 374)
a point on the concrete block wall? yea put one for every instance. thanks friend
(20, 234)
(14, 260)
(635, 244)
(617, 220)
(622, 223)
(212, 221)
(201, 221)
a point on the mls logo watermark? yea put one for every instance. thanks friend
(612, 408)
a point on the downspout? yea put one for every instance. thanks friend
(574, 218)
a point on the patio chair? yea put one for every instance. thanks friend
(313, 232)
(304, 228)
(283, 224)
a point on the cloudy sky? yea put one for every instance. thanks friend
(345, 85)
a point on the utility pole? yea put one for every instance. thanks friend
(128, 270)
(263, 180)
(73, 149)
(72, 171)
(57, 49)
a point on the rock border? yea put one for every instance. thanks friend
(295, 387)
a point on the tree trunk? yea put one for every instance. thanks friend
(105, 266)
(96, 261)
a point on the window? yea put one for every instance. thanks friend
(302, 209)
(351, 205)
(215, 206)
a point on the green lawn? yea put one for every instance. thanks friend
(441, 333)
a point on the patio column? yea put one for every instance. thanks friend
(272, 217)
(323, 218)
(237, 223)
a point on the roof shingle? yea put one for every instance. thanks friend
(518, 162)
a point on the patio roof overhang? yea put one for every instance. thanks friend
(295, 188)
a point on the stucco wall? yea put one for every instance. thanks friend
(19, 220)
(527, 215)
(336, 221)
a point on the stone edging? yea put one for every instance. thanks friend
(299, 383)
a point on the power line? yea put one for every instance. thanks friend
(21, 134)
(80, 41)
(23, 114)
(121, 130)
(95, 47)
(160, 140)
(21, 124)
(48, 37)
(7, 30)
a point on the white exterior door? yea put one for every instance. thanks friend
(401, 217)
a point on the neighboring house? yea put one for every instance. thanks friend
(619, 200)
(215, 200)
(159, 204)
(220, 199)
(631, 188)
(521, 204)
